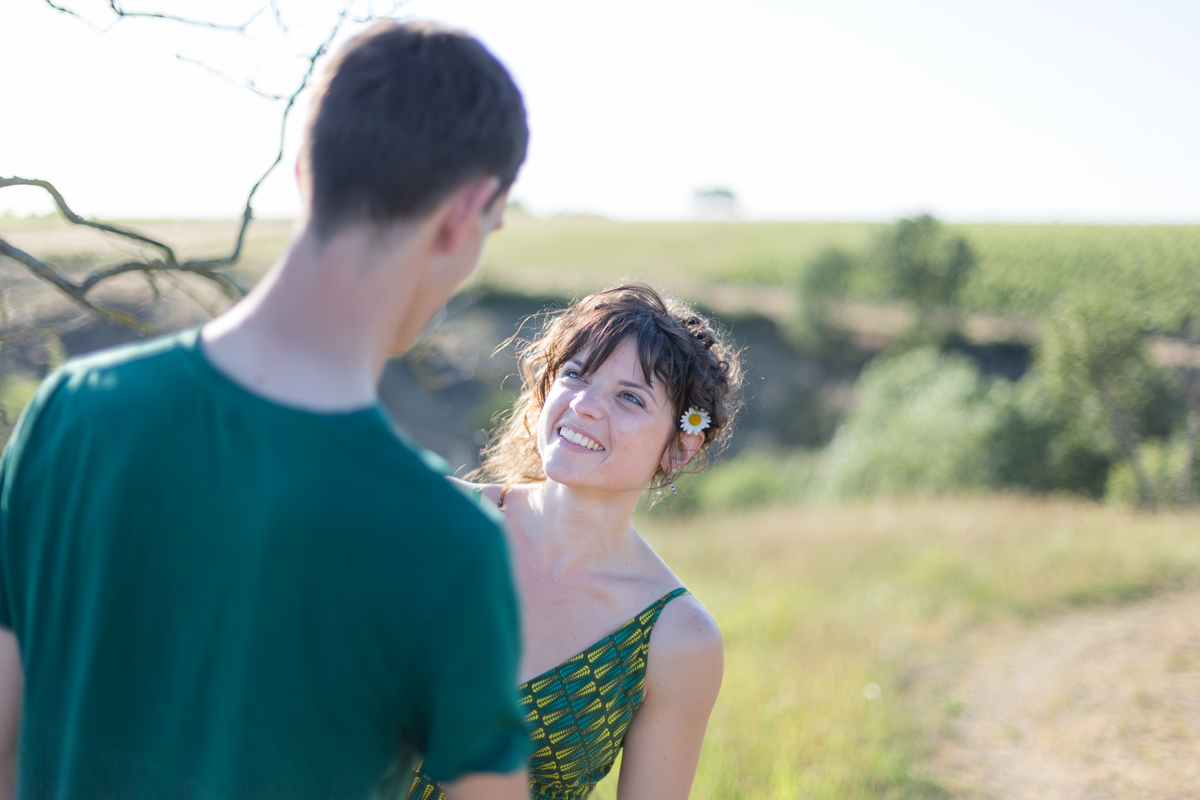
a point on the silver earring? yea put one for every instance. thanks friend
(671, 482)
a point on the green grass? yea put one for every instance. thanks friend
(816, 603)
(1025, 268)
(574, 255)
(1022, 268)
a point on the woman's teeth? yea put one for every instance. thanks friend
(578, 438)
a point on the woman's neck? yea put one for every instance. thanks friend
(577, 528)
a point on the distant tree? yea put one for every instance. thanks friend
(1173, 310)
(718, 201)
(1094, 346)
(920, 262)
(823, 282)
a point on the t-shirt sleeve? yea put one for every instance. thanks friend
(470, 717)
(9, 458)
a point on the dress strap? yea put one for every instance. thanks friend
(646, 622)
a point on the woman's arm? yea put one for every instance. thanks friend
(12, 682)
(683, 677)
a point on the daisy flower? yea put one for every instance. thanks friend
(694, 420)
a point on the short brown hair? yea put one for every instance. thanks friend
(674, 343)
(403, 115)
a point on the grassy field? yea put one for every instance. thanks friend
(1021, 267)
(732, 265)
(821, 605)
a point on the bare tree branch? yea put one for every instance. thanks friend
(167, 262)
(167, 252)
(64, 285)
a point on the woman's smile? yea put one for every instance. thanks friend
(579, 439)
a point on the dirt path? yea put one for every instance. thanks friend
(1095, 704)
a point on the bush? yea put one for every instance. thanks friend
(1040, 445)
(747, 480)
(923, 423)
(751, 480)
(927, 423)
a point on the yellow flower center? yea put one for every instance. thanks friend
(695, 419)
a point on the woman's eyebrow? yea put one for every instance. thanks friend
(636, 385)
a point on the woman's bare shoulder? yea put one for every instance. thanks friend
(492, 492)
(687, 655)
(686, 628)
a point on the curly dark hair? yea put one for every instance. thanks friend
(683, 349)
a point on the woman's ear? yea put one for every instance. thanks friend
(682, 450)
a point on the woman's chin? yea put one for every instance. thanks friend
(587, 483)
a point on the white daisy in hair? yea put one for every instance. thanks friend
(695, 420)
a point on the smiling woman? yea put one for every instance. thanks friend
(675, 350)
(618, 656)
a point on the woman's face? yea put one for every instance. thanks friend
(607, 430)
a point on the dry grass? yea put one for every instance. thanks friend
(817, 603)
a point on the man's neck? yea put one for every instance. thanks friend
(317, 330)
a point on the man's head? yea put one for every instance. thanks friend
(405, 115)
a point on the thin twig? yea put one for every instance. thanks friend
(178, 283)
(76, 15)
(278, 17)
(123, 14)
(248, 212)
(248, 85)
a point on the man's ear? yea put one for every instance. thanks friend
(682, 450)
(462, 210)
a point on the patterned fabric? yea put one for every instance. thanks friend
(578, 712)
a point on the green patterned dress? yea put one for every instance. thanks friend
(578, 712)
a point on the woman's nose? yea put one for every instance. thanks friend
(585, 403)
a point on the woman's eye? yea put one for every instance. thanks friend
(570, 372)
(633, 398)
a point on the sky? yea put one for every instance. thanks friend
(1054, 110)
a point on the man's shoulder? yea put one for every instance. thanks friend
(126, 369)
(111, 372)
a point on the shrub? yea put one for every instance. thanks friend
(751, 480)
(1041, 445)
(923, 423)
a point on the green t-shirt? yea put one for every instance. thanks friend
(216, 596)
